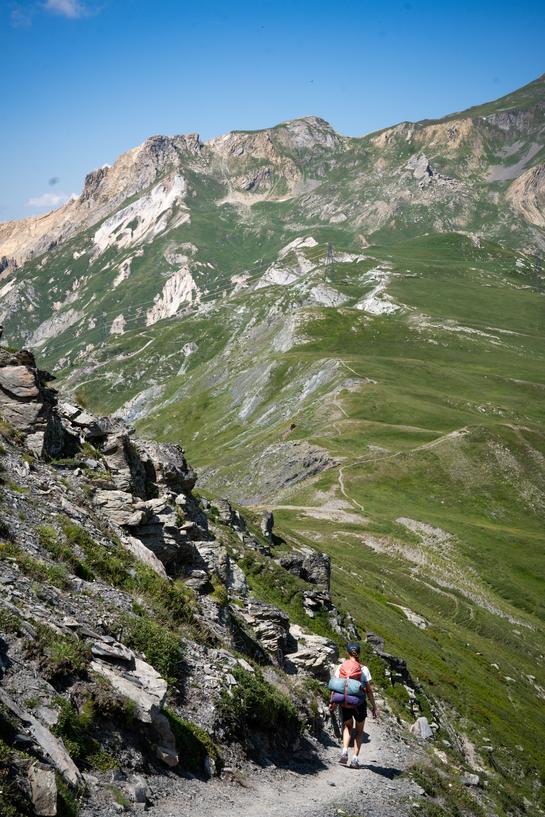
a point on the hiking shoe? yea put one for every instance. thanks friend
(355, 763)
(343, 759)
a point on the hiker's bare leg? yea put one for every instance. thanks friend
(358, 737)
(347, 733)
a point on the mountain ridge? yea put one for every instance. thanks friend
(192, 143)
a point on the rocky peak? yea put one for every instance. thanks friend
(309, 133)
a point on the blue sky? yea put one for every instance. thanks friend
(84, 80)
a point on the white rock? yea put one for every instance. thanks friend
(179, 289)
(143, 686)
(422, 729)
(142, 220)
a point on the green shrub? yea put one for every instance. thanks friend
(171, 601)
(220, 593)
(34, 568)
(66, 462)
(193, 744)
(60, 655)
(75, 727)
(49, 540)
(100, 560)
(258, 705)
(162, 647)
(9, 622)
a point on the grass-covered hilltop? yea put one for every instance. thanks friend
(349, 332)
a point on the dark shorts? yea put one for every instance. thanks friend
(359, 713)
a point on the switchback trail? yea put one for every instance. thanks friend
(310, 787)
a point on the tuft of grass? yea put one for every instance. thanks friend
(9, 622)
(100, 560)
(446, 795)
(13, 800)
(118, 796)
(68, 801)
(34, 568)
(170, 601)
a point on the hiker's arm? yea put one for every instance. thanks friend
(369, 691)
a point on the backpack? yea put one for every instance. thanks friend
(351, 668)
(347, 689)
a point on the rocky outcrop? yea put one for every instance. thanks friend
(270, 625)
(267, 525)
(527, 194)
(310, 654)
(28, 405)
(310, 566)
(118, 631)
(138, 682)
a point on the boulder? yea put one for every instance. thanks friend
(420, 166)
(309, 565)
(166, 745)
(236, 579)
(144, 554)
(228, 515)
(116, 653)
(125, 464)
(142, 685)
(271, 626)
(28, 405)
(120, 507)
(376, 641)
(421, 729)
(267, 524)
(161, 535)
(20, 381)
(166, 466)
(137, 789)
(43, 788)
(310, 654)
(147, 690)
(471, 779)
(50, 745)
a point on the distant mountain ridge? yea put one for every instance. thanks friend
(480, 128)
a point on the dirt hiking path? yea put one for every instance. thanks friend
(311, 789)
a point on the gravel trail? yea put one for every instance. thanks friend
(318, 787)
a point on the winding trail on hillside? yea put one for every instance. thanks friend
(458, 432)
(311, 787)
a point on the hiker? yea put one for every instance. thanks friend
(353, 669)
